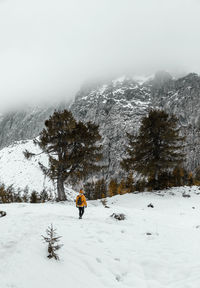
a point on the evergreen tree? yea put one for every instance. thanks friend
(179, 176)
(157, 147)
(25, 196)
(71, 148)
(44, 196)
(130, 182)
(100, 189)
(190, 179)
(89, 189)
(52, 239)
(121, 189)
(112, 188)
(34, 198)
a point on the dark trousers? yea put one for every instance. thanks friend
(81, 211)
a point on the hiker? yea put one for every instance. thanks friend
(81, 203)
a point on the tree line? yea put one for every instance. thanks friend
(154, 155)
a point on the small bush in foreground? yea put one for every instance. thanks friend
(52, 239)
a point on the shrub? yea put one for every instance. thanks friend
(52, 239)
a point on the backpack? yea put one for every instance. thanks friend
(79, 202)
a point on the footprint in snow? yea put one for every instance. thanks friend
(118, 278)
(100, 240)
(151, 234)
(98, 260)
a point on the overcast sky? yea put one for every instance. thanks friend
(49, 48)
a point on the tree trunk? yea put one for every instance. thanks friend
(61, 190)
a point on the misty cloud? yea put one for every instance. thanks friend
(49, 48)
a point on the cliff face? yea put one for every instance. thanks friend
(182, 98)
(117, 107)
(26, 124)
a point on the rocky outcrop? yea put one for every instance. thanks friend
(117, 108)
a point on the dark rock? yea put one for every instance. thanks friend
(186, 195)
(150, 205)
(2, 213)
(120, 216)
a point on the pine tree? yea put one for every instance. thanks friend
(89, 189)
(44, 196)
(112, 188)
(122, 187)
(157, 148)
(71, 147)
(190, 179)
(179, 176)
(100, 190)
(25, 196)
(130, 182)
(52, 239)
(34, 198)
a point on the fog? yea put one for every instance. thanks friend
(49, 48)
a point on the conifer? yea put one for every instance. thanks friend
(89, 188)
(157, 148)
(130, 182)
(52, 239)
(112, 188)
(71, 147)
(122, 187)
(100, 190)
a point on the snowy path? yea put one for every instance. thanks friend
(101, 252)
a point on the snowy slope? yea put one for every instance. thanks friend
(100, 252)
(16, 170)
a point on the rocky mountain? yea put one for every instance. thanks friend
(117, 106)
(25, 124)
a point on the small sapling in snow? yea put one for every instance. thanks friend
(150, 205)
(52, 239)
(104, 203)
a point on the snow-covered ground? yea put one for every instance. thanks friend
(16, 170)
(102, 252)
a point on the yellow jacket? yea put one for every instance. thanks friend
(84, 203)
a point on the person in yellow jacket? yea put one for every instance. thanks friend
(81, 203)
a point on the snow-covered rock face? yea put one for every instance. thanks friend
(182, 98)
(117, 107)
(26, 124)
